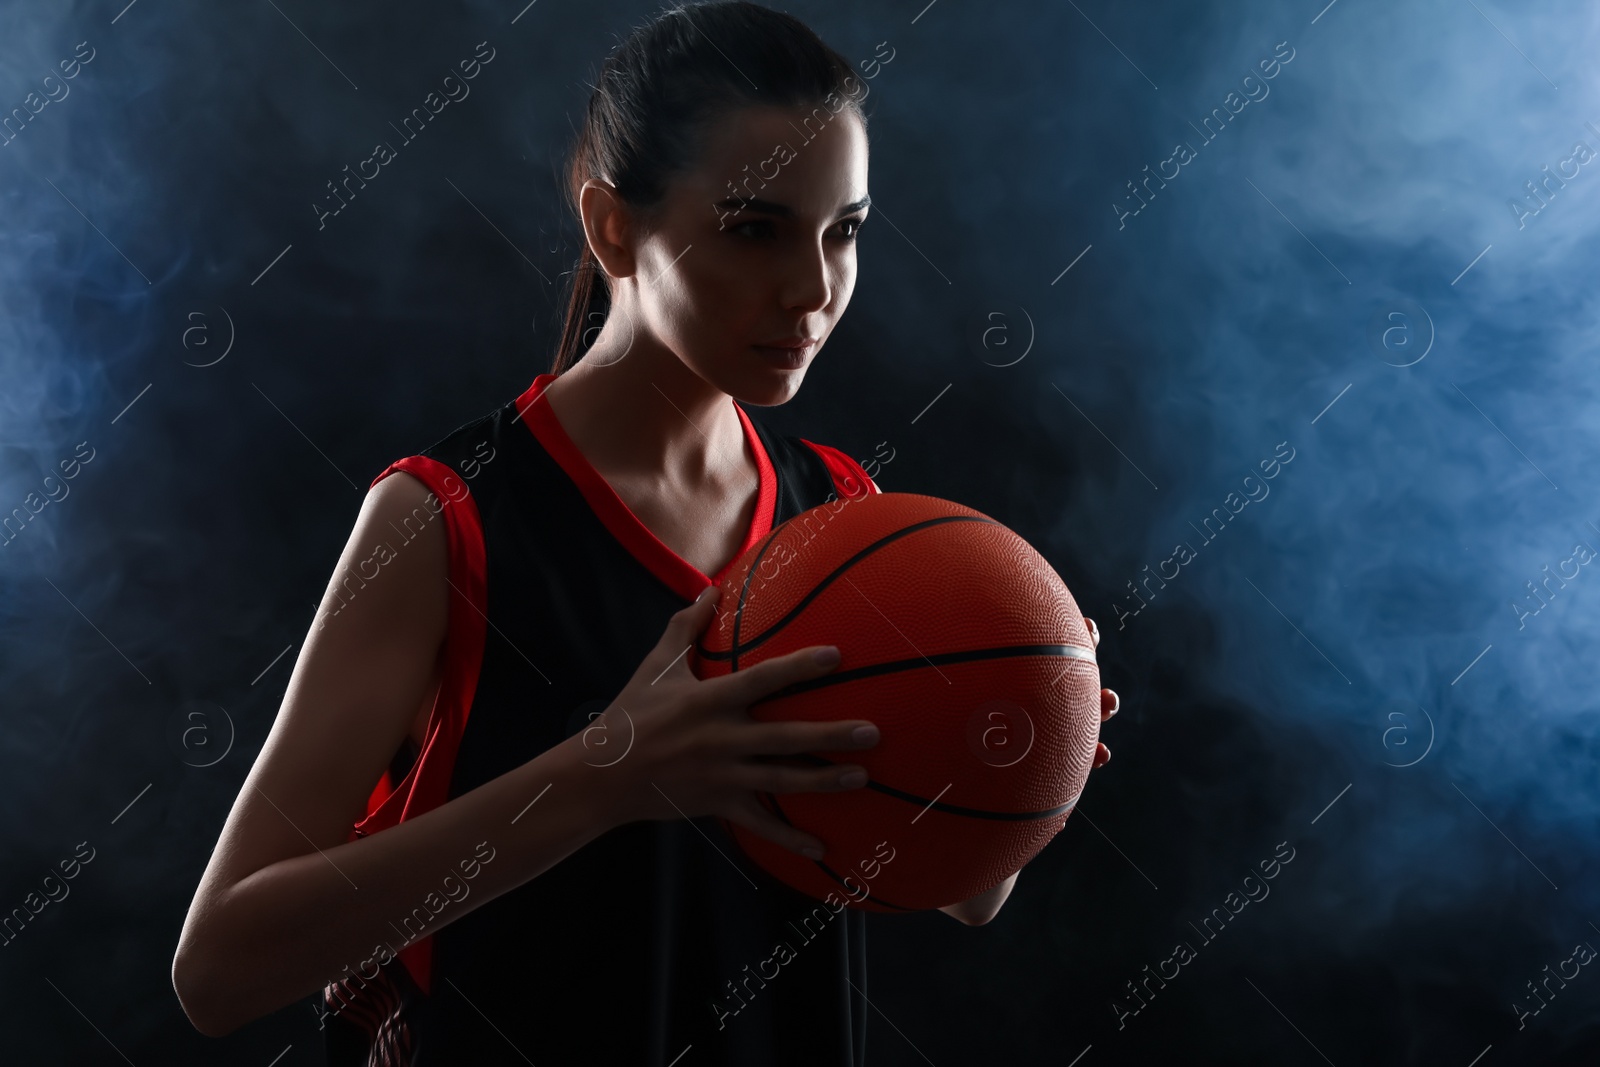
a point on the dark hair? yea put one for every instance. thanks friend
(658, 94)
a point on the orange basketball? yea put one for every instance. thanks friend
(964, 646)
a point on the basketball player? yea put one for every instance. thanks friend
(539, 874)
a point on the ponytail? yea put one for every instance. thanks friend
(588, 304)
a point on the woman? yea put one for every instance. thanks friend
(540, 874)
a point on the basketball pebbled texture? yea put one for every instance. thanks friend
(964, 646)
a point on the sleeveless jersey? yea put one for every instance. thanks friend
(658, 939)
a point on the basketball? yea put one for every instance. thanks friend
(966, 649)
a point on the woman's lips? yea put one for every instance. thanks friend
(786, 358)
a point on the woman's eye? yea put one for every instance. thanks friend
(853, 225)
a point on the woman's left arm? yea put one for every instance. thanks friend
(985, 906)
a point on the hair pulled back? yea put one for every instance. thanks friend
(660, 91)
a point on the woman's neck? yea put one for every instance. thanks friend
(647, 416)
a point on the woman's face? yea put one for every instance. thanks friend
(756, 245)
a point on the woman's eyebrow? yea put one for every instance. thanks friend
(782, 211)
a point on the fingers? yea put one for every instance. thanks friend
(793, 738)
(700, 611)
(1109, 704)
(782, 778)
(745, 687)
(749, 814)
(1094, 631)
(683, 627)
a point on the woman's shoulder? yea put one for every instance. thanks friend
(850, 480)
(822, 468)
(463, 453)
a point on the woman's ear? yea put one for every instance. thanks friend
(609, 227)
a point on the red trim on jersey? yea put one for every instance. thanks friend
(427, 784)
(849, 477)
(380, 792)
(678, 573)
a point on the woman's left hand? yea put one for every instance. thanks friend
(980, 909)
(1109, 701)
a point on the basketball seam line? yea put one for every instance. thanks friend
(738, 616)
(778, 808)
(1075, 652)
(950, 809)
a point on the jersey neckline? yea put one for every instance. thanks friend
(683, 577)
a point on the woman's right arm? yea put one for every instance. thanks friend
(287, 902)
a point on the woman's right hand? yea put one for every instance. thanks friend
(690, 743)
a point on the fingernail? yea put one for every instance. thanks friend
(706, 594)
(811, 853)
(826, 656)
(1116, 702)
(864, 735)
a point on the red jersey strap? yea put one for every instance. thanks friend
(849, 478)
(427, 784)
(380, 793)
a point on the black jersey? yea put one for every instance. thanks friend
(665, 951)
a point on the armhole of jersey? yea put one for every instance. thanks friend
(849, 478)
(427, 784)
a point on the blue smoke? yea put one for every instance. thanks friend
(1360, 235)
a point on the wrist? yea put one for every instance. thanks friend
(592, 779)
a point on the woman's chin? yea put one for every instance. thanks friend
(771, 389)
